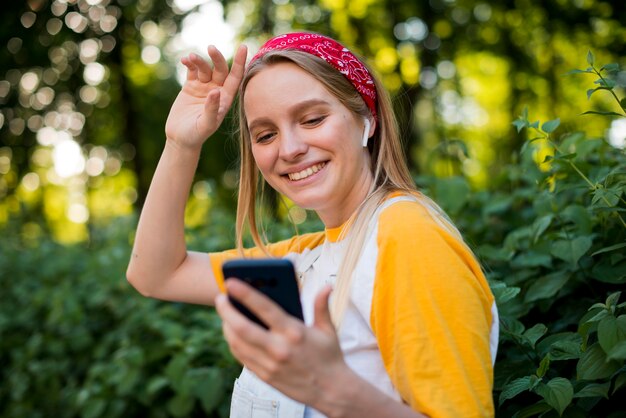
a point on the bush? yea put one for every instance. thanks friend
(77, 341)
(551, 238)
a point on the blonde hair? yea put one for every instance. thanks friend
(389, 168)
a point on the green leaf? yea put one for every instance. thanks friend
(609, 248)
(504, 294)
(209, 387)
(175, 371)
(594, 390)
(558, 393)
(604, 82)
(590, 58)
(566, 349)
(608, 272)
(531, 259)
(572, 250)
(156, 384)
(576, 71)
(511, 326)
(590, 92)
(547, 286)
(533, 410)
(519, 124)
(543, 366)
(622, 103)
(594, 364)
(452, 193)
(610, 67)
(93, 408)
(618, 352)
(540, 226)
(611, 332)
(180, 405)
(579, 215)
(551, 125)
(597, 112)
(534, 333)
(565, 157)
(514, 388)
(612, 299)
(598, 316)
(620, 382)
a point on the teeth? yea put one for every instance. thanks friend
(306, 172)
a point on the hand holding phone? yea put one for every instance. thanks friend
(273, 277)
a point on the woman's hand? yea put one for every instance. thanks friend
(205, 98)
(301, 362)
(304, 363)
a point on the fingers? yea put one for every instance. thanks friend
(232, 82)
(260, 305)
(220, 66)
(254, 346)
(211, 114)
(204, 71)
(192, 70)
(236, 320)
(218, 75)
(323, 319)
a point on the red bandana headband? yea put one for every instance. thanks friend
(334, 54)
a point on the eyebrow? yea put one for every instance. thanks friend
(297, 108)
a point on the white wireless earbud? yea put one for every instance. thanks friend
(366, 132)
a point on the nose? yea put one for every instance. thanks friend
(291, 146)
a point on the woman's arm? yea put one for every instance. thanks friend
(304, 363)
(160, 265)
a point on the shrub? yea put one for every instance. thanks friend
(77, 341)
(551, 238)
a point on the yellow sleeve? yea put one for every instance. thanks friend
(296, 244)
(431, 314)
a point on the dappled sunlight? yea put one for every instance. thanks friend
(88, 83)
(617, 133)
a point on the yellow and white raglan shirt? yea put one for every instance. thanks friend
(421, 324)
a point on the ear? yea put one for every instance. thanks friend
(366, 132)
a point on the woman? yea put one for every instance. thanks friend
(411, 327)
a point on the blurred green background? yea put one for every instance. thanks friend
(85, 88)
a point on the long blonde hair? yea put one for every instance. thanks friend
(389, 168)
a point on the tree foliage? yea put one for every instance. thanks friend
(92, 81)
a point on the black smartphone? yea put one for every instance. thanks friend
(274, 277)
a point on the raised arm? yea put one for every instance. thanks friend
(160, 265)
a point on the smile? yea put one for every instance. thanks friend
(307, 172)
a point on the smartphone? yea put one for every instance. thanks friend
(274, 277)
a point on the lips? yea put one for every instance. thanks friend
(307, 172)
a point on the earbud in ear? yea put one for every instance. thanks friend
(366, 132)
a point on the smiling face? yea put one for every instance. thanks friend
(306, 143)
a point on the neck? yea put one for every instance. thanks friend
(348, 207)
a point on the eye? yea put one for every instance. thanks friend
(314, 121)
(264, 137)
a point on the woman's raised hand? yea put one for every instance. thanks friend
(205, 98)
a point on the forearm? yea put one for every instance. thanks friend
(159, 247)
(350, 396)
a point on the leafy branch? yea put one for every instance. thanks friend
(603, 83)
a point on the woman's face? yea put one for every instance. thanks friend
(306, 143)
